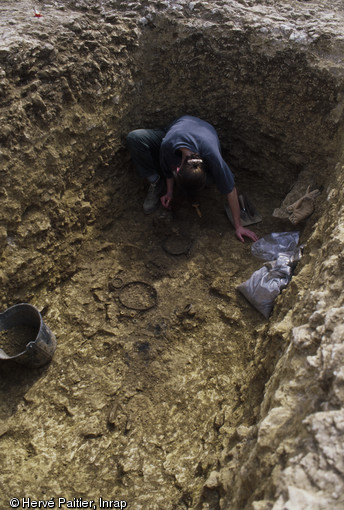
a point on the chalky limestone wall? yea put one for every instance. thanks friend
(293, 458)
(268, 76)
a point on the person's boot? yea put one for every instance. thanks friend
(152, 199)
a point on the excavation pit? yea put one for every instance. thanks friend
(197, 401)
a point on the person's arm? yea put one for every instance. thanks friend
(167, 198)
(240, 231)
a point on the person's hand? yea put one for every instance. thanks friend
(166, 200)
(242, 232)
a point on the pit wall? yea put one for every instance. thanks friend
(79, 81)
(70, 91)
(65, 91)
(292, 458)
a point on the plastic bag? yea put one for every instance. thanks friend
(272, 245)
(262, 288)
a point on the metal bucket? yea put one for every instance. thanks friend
(37, 343)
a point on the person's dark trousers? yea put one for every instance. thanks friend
(144, 148)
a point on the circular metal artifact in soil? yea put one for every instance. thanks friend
(138, 295)
(177, 245)
(116, 283)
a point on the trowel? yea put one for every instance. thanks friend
(248, 213)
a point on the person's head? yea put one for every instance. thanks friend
(191, 176)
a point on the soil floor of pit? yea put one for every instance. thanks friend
(138, 404)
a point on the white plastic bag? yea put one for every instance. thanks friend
(270, 246)
(262, 288)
